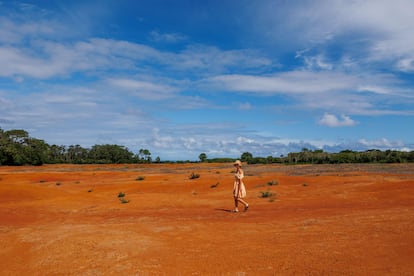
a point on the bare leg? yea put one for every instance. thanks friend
(236, 203)
(246, 205)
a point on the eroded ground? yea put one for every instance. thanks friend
(320, 220)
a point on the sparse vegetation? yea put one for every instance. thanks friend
(272, 183)
(194, 176)
(58, 183)
(269, 195)
(123, 200)
(215, 185)
(140, 178)
(266, 194)
(305, 184)
(121, 197)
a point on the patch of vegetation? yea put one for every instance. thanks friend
(269, 195)
(140, 178)
(123, 200)
(215, 185)
(42, 181)
(266, 194)
(58, 183)
(90, 190)
(305, 184)
(273, 183)
(121, 197)
(194, 176)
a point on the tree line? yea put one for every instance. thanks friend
(18, 148)
(319, 156)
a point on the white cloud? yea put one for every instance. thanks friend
(245, 106)
(381, 143)
(167, 37)
(332, 120)
(295, 82)
(377, 30)
(144, 89)
(406, 64)
(317, 63)
(374, 89)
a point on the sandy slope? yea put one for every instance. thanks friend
(324, 220)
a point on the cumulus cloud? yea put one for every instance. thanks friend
(332, 120)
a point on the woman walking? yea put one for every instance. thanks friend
(239, 190)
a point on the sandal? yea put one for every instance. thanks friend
(246, 207)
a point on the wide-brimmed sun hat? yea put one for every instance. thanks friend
(237, 163)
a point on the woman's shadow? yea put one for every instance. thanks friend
(224, 210)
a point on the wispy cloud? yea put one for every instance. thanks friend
(143, 89)
(379, 29)
(166, 37)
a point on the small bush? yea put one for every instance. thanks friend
(140, 178)
(305, 184)
(272, 183)
(194, 176)
(123, 200)
(58, 183)
(266, 194)
(214, 185)
(121, 194)
(269, 195)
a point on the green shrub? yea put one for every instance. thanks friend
(214, 185)
(121, 194)
(123, 200)
(266, 194)
(273, 183)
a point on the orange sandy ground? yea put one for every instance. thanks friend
(322, 220)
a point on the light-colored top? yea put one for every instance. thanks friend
(239, 190)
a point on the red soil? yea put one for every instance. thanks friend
(322, 220)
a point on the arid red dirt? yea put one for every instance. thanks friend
(321, 220)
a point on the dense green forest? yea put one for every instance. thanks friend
(18, 148)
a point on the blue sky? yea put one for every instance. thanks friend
(221, 77)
